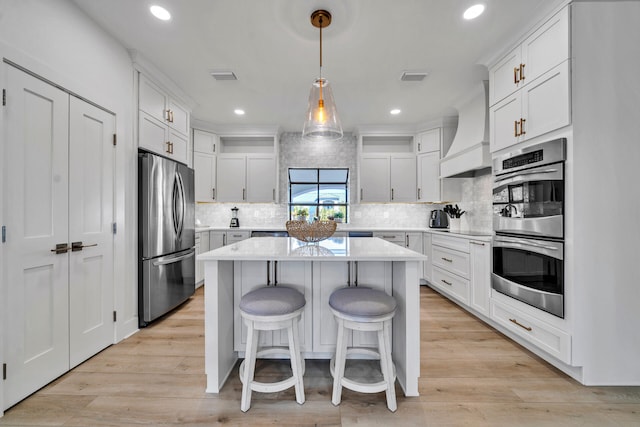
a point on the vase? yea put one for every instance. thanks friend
(454, 224)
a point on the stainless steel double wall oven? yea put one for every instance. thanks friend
(528, 219)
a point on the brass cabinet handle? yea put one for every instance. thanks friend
(522, 71)
(447, 259)
(166, 114)
(77, 246)
(169, 147)
(527, 328)
(61, 248)
(171, 111)
(446, 283)
(515, 75)
(515, 128)
(522, 131)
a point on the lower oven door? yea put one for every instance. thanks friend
(531, 271)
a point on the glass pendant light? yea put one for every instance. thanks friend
(322, 121)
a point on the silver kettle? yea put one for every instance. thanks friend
(438, 219)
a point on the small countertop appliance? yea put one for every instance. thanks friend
(438, 219)
(235, 222)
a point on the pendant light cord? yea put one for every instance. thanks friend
(320, 100)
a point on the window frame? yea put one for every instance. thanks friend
(318, 185)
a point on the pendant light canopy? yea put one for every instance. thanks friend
(322, 121)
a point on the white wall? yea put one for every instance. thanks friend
(606, 157)
(56, 41)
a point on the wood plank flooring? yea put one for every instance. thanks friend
(471, 375)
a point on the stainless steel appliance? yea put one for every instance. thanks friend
(235, 221)
(166, 235)
(438, 219)
(528, 219)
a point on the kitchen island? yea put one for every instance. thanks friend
(315, 270)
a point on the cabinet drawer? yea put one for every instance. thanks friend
(549, 338)
(236, 236)
(453, 261)
(390, 236)
(455, 243)
(451, 284)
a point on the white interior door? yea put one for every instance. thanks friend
(36, 213)
(91, 303)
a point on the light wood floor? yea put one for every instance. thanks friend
(471, 375)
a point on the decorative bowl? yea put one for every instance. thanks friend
(311, 232)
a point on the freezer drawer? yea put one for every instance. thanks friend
(167, 282)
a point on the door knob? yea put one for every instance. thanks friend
(77, 246)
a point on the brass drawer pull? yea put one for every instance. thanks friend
(526, 328)
(447, 259)
(522, 71)
(446, 283)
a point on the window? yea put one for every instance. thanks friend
(318, 194)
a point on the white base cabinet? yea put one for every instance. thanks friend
(202, 246)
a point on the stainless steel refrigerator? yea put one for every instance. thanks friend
(166, 235)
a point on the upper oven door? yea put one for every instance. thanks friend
(530, 201)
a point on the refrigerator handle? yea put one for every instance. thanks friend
(178, 205)
(172, 260)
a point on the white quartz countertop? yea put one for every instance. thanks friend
(332, 249)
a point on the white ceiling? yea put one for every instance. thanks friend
(274, 50)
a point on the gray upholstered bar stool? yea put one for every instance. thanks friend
(271, 308)
(363, 309)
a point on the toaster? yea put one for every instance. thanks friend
(438, 219)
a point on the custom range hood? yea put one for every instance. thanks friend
(469, 152)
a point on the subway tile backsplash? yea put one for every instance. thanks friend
(295, 152)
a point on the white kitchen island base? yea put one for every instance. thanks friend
(233, 270)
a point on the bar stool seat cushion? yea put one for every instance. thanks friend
(362, 302)
(272, 301)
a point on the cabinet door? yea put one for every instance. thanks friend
(247, 276)
(504, 76)
(199, 265)
(428, 141)
(546, 102)
(217, 239)
(503, 118)
(261, 178)
(376, 275)
(375, 178)
(403, 178)
(236, 236)
(178, 150)
(178, 117)
(230, 178)
(547, 47)
(480, 280)
(152, 100)
(429, 177)
(414, 242)
(153, 134)
(327, 277)
(205, 176)
(426, 250)
(204, 142)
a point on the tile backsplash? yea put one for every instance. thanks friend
(295, 152)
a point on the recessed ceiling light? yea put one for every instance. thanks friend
(474, 11)
(160, 12)
(239, 111)
(395, 111)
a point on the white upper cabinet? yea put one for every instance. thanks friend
(247, 169)
(428, 141)
(204, 165)
(429, 177)
(431, 145)
(163, 124)
(387, 169)
(530, 86)
(545, 48)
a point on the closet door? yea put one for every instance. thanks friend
(91, 152)
(36, 212)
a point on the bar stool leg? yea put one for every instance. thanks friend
(249, 368)
(339, 362)
(296, 359)
(386, 365)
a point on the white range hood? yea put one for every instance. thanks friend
(469, 152)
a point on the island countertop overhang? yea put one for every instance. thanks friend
(332, 249)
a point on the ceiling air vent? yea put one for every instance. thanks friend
(413, 76)
(224, 75)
